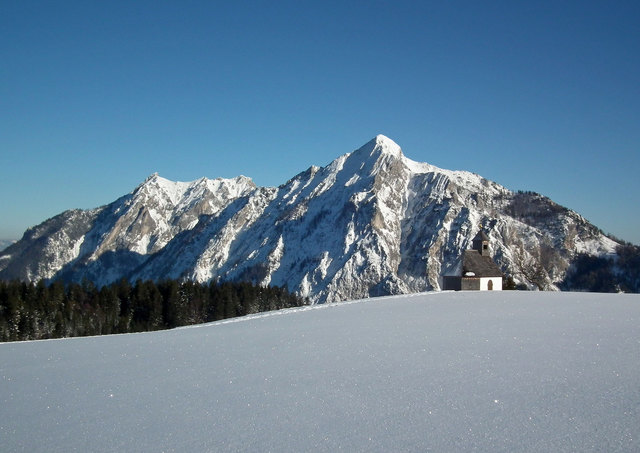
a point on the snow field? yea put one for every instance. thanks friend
(509, 371)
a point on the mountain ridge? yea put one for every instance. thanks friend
(371, 222)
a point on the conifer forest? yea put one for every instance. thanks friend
(34, 311)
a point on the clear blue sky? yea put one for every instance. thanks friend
(95, 96)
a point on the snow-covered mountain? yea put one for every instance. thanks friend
(372, 222)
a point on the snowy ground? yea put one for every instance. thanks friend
(510, 371)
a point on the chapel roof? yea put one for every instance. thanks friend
(480, 266)
(481, 236)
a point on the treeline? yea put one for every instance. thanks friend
(528, 204)
(619, 273)
(33, 311)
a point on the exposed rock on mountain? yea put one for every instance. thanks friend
(372, 222)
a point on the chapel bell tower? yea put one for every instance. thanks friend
(481, 243)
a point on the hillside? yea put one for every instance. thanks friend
(488, 372)
(372, 222)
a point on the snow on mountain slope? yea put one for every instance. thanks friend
(108, 243)
(159, 209)
(489, 372)
(372, 222)
(48, 247)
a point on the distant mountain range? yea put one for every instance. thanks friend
(4, 243)
(372, 222)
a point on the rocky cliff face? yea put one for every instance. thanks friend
(372, 222)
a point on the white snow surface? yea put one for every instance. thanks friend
(466, 371)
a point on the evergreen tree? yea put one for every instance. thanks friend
(35, 311)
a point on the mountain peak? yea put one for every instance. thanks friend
(153, 176)
(387, 146)
(383, 139)
(379, 146)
